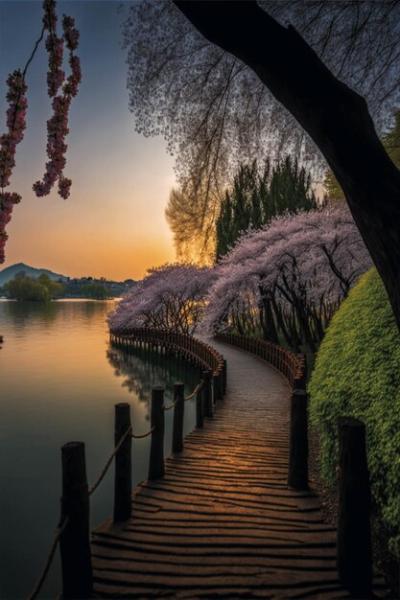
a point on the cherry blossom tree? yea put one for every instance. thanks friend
(169, 297)
(217, 84)
(61, 89)
(286, 280)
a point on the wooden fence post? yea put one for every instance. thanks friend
(298, 442)
(76, 564)
(200, 407)
(156, 463)
(225, 375)
(354, 552)
(208, 399)
(123, 464)
(179, 409)
(215, 392)
(220, 384)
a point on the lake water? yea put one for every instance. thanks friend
(59, 381)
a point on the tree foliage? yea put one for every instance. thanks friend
(259, 195)
(357, 374)
(192, 227)
(169, 297)
(286, 280)
(213, 110)
(42, 289)
(96, 290)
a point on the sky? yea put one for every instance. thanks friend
(113, 223)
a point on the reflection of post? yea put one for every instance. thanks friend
(123, 464)
(177, 431)
(354, 554)
(156, 464)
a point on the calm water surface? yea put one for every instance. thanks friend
(59, 381)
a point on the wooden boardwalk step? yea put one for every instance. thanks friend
(222, 523)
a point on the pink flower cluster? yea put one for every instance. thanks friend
(169, 297)
(16, 123)
(62, 91)
(57, 125)
(71, 34)
(54, 47)
(7, 201)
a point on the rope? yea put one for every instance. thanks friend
(144, 435)
(108, 463)
(195, 391)
(49, 560)
(170, 405)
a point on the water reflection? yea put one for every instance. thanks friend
(143, 369)
(22, 314)
(59, 381)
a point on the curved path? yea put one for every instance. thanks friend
(222, 523)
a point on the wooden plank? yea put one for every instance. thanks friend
(222, 523)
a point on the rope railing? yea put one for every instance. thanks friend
(196, 390)
(169, 406)
(49, 560)
(141, 436)
(109, 461)
(73, 534)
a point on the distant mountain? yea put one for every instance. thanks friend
(10, 272)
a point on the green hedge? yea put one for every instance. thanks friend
(357, 373)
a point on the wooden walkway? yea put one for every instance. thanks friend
(222, 523)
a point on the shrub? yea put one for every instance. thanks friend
(357, 373)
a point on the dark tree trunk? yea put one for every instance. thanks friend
(335, 117)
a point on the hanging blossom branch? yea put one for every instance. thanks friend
(56, 127)
(16, 124)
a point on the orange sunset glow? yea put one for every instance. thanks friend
(113, 223)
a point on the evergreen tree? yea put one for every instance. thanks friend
(257, 196)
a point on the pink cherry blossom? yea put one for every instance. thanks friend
(169, 297)
(289, 277)
(57, 125)
(61, 91)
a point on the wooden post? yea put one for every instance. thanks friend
(156, 463)
(200, 407)
(179, 409)
(221, 382)
(354, 553)
(215, 393)
(208, 400)
(76, 564)
(123, 464)
(298, 442)
(225, 375)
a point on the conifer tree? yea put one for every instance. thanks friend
(258, 195)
